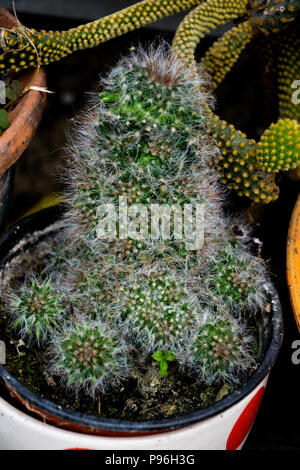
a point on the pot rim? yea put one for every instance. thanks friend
(26, 115)
(293, 261)
(46, 218)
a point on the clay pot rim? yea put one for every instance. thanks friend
(27, 113)
(88, 424)
(293, 261)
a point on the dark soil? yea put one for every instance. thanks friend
(146, 397)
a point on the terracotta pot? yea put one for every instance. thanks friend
(24, 119)
(293, 261)
(28, 421)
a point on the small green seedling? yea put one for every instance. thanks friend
(163, 357)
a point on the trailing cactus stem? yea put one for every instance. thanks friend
(287, 43)
(25, 47)
(238, 162)
(225, 52)
(201, 21)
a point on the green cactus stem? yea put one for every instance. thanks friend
(161, 309)
(238, 163)
(24, 47)
(287, 45)
(224, 53)
(202, 20)
(242, 163)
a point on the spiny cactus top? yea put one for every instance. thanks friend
(37, 310)
(147, 253)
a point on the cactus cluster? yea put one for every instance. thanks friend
(234, 280)
(134, 296)
(161, 308)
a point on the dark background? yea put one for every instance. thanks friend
(247, 98)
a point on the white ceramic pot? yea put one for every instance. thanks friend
(226, 430)
(28, 421)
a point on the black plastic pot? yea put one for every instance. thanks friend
(42, 225)
(6, 190)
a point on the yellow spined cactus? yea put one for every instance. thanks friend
(24, 47)
(200, 21)
(238, 162)
(288, 71)
(224, 53)
(279, 146)
(247, 166)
